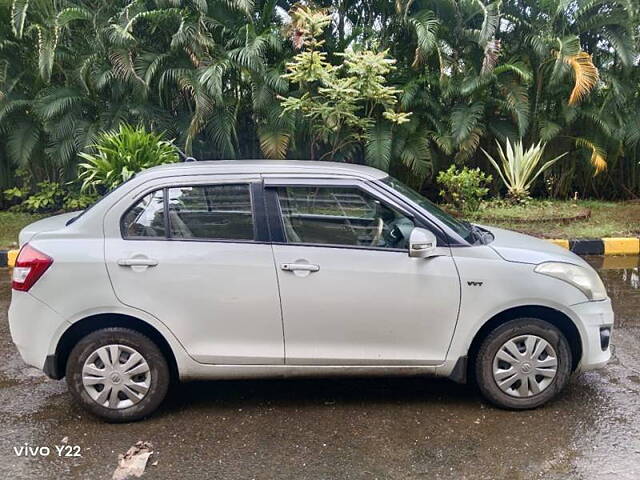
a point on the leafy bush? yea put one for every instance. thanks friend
(48, 197)
(464, 189)
(76, 200)
(16, 194)
(347, 105)
(120, 155)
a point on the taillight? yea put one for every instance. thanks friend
(30, 265)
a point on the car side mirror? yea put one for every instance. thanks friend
(422, 243)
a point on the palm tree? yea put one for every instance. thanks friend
(209, 73)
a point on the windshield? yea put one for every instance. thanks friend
(464, 229)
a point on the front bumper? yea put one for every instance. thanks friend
(593, 317)
(35, 328)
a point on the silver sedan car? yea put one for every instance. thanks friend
(247, 269)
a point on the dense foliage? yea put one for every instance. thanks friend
(463, 189)
(121, 154)
(219, 76)
(45, 196)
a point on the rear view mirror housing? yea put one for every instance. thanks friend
(422, 243)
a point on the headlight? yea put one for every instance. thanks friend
(584, 279)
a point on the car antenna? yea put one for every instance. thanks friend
(184, 156)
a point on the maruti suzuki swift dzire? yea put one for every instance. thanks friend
(246, 269)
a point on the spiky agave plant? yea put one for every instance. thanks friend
(519, 168)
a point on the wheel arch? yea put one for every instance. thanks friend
(555, 317)
(58, 364)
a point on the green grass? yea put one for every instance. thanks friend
(10, 225)
(608, 219)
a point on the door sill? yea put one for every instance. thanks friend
(204, 372)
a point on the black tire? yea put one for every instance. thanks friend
(158, 369)
(494, 341)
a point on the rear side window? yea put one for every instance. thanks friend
(146, 218)
(208, 212)
(212, 212)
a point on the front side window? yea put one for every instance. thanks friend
(146, 218)
(211, 212)
(341, 216)
(461, 228)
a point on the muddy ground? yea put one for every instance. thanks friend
(403, 428)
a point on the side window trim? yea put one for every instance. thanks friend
(276, 222)
(377, 190)
(444, 239)
(135, 202)
(258, 214)
(167, 223)
(170, 237)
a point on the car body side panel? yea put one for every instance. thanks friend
(491, 285)
(75, 287)
(74, 282)
(367, 307)
(220, 299)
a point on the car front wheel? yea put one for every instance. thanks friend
(118, 374)
(523, 363)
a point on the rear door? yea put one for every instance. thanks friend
(351, 295)
(195, 254)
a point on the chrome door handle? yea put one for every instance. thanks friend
(137, 262)
(303, 267)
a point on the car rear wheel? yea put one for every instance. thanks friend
(523, 363)
(118, 374)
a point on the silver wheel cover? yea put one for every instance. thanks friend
(116, 376)
(525, 366)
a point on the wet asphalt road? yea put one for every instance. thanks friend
(334, 429)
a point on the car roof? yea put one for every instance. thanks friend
(263, 167)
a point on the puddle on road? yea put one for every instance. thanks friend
(621, 276)
(610, 443)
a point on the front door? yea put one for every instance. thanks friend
(350, 293)
(189, 254)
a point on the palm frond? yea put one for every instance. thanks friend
(72, 14)
(8, 107)
(622, 42)
(274, 142)
(490, 21)
(598, 154)
(549, 130)
(464, 119)
(56, 101)
(22, 141)
(245, 6)
(516, 67)
(19, 10)
(425, 25)
(585, 73)
(517, 101)
(415, 154)
(378, 145)
(491, 54)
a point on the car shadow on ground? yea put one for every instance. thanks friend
(300, 393)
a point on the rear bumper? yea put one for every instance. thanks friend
(35, 328)
(593, 317)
